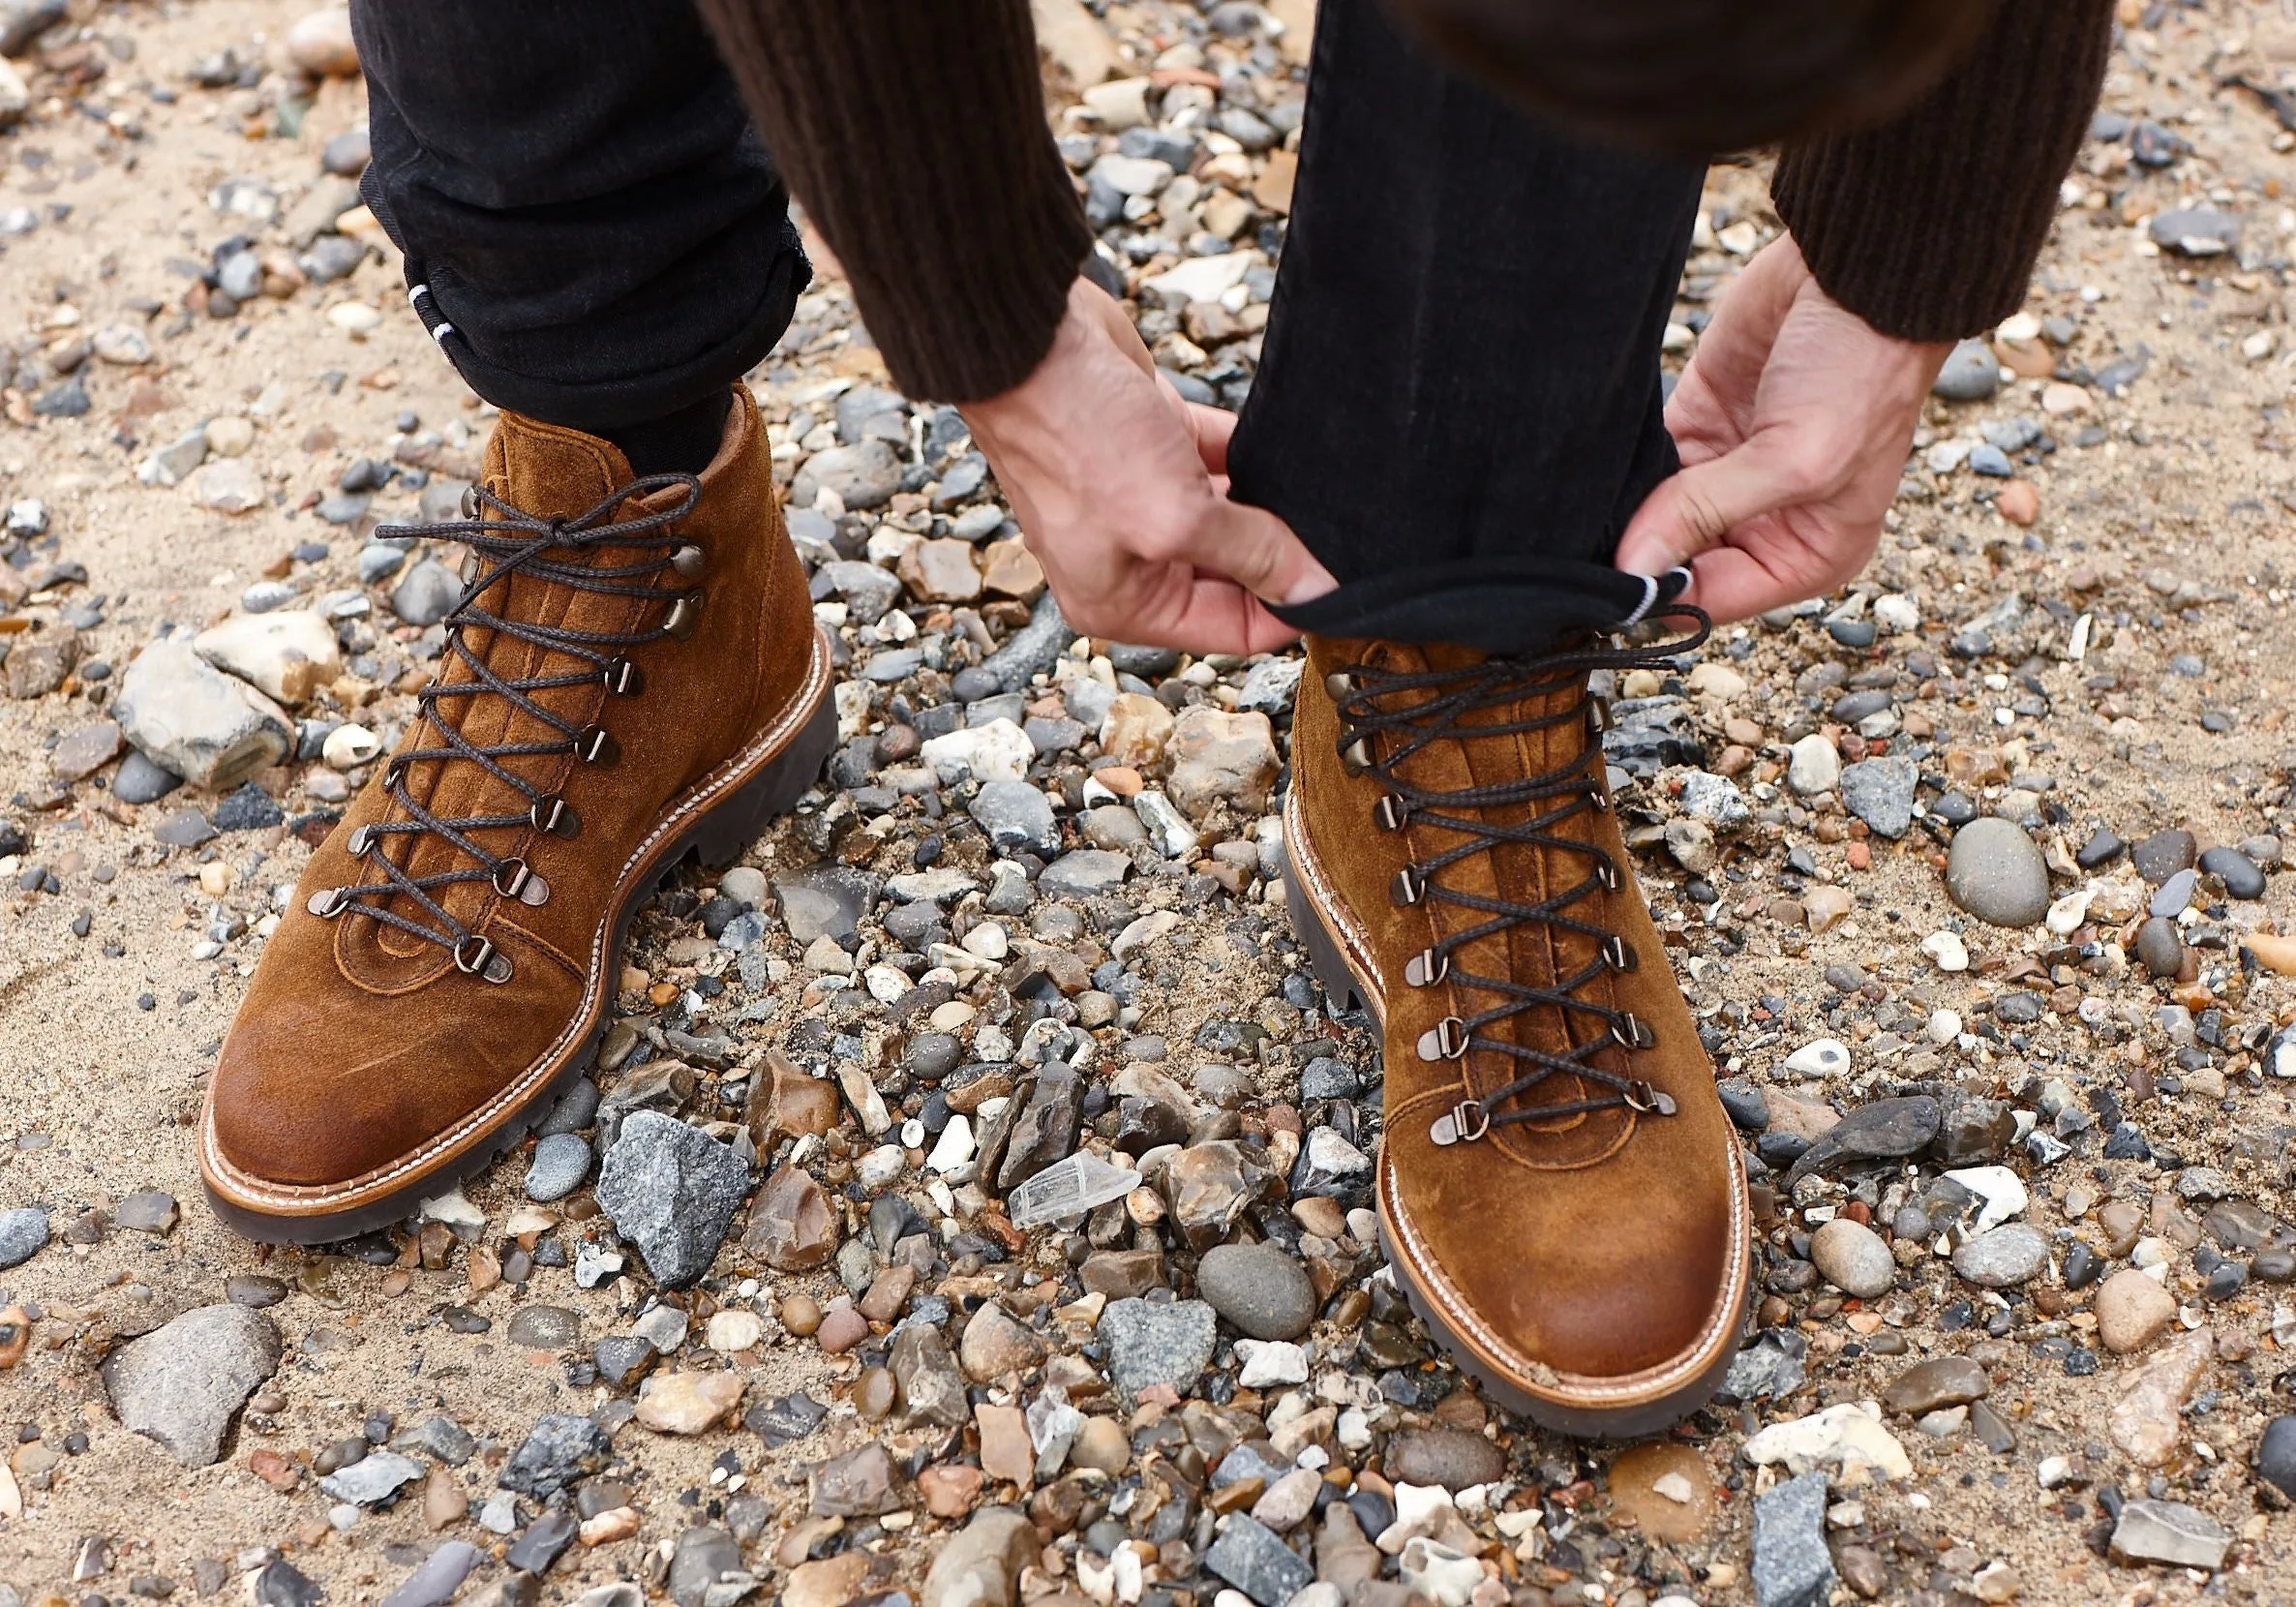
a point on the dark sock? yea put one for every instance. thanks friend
(682, 442)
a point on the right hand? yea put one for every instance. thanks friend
(1121, 490)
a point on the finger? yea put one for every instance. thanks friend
(1694, 509)
(1260, 552)
(1213, 426)
(1216, 615)
(1737, 582)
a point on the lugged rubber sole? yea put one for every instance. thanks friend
(1328, 961)
(737, 806)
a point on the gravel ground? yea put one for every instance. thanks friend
(1972, 871)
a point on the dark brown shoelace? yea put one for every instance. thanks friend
(512, 543)
(1387, 716)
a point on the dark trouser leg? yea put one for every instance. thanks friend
(1457, 403)
(579, 186)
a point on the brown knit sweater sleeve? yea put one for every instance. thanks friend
(914, 135)
(1928, 225)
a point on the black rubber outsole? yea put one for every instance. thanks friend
(716, 838)
(1337, 978)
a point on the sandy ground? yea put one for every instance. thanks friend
(2190, 477)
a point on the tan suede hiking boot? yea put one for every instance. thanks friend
(633, 673)
(1560, 1187)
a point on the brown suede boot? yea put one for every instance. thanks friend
(633, 674)
(1560, 1187)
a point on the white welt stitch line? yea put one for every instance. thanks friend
(727, 776)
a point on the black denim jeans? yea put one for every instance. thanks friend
(1458, 403)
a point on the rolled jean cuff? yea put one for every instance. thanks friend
(596, 405)
(1511, 605)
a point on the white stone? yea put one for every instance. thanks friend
(1270, 1362)
(1849, 1441)
(1201, 278)
(290, 654)
(732, 1329)
(1947, 949)
(953, 1150)
(349, 746)
(2000, 1188)
(1443, 1575)
(1821, 1057)
(1944, 1026)
(231, 436)
(998, 752)
(228, 485)
(1897, 612)
(1816, 767)
(1120, 104)
(2067, 913)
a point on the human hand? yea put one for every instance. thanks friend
(1793, 420)
(1121, 490)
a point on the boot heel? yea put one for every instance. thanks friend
(721, 836)
(1330, 971)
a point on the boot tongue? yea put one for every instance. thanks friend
(547, 473)
(1532, 953)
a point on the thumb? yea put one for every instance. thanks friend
(1697, 506)
(1257, 551)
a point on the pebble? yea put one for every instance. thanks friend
(1853, 1257)
(1996, 872)
(1451, 1458)
(1930, 1385)
(2169, 1532)
(2003, 1258)
(184, 1382)
(1255, 1561)
(1791, 1567)
(1971, 373)
(672, 1192)
(687, 1403)
(791, 1226)
(2132, 1310)
(1150, 1344)
(2275, 1455)
(2163, 854)
(1881, 793)
(560, 1165)
(2238, 872)
(24, 1232)
(2159, 947)
(194, 721)
(981, 1564)
(2144, 1421)
(289, 655)
(559, 1449)
(1259, 1290)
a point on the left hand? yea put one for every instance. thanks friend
(1793, 421)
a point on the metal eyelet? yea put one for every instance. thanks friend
(475, 956)
(1339, 687)
(470, 501)
(394, 772)
(471, 567)
(1356, 756)
(684, 616)
(594, 744)
(1598, 797)
(515, 879)
(621, 678)
(1631, 1032)
(1463, 1123)
(361, 838)
(688, 560)
(1391, 813)
(551, 813)
(1446, 1040)
(1427, 967)
(1598, 715)
(1642, 1095)
(329, 902)
(1618, 955)
(1407, 887)
(1607, 873)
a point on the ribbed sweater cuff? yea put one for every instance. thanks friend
(1928, 225)
(914, 135)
